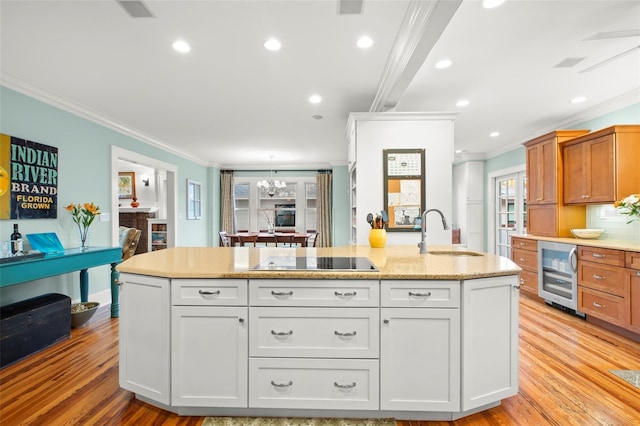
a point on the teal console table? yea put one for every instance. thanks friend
(75, 259)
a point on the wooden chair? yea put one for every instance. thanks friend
(248, 239)
(284, 240)
(313, 239)
(129, 238)
(224, 239)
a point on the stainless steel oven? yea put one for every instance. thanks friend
(558, 274)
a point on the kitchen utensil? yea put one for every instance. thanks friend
(370, 219)
(385, 218)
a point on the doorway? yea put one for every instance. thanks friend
(507, 208)
(161, 169)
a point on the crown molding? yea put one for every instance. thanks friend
(86, 113)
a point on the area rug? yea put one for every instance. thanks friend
(630, 376)
(293, 421)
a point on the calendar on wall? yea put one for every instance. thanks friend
(404, 188)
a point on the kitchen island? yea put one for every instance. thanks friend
(423, 337)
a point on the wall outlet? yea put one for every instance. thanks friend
(105, 217)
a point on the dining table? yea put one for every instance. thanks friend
(299, 238)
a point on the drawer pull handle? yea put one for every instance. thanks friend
(282, 333)
(241, 320)
(638, 273)
(599, 277)
(339, 386)
(597, 305)
(347, 294)
(337, 333)
(599, 255)
(205, 293)
(281, 385)
(412, 294)
(517, 287)
(523, 281)
(523, 259)
(282, 293)
(386, 321)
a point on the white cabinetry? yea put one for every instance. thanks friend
(489, 340)
(145, 339)
(468, 212)
(420, 346)
(209, 343)
(313, 344)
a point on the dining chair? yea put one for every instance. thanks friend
(313, 239)
(284, 240)
(224, 239)
(248, 239)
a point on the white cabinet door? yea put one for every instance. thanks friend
(209, 356)
(420, 359)
(489, 340)
(144, 336)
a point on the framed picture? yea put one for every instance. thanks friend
(126, 185)
(194, 200)
(404, 188)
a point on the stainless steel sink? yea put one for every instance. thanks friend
(356, 264)
(456, 253)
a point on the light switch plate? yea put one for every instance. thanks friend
(105, 217)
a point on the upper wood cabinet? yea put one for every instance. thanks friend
(602, 167)
(544, 176)
(546, 214)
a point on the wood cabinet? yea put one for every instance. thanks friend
(632, 261)
(524, 252)
(603, 285)
(546, 214)
(420, 346)
(601, 167)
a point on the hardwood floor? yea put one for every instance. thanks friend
(564, 379)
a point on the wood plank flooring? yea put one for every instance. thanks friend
(564, 379)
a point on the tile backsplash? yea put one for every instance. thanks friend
(615, 225)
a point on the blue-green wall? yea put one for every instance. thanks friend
(84, 171)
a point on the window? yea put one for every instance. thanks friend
(194, 200)
(241, 206)
(311, 206)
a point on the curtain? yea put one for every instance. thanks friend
(324, 195)
(226, 201)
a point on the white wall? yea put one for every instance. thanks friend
(435, 135)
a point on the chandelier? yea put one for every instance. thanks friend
(270, 187)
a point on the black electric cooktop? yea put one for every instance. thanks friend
(360, 264)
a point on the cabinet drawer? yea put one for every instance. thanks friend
(209, 292)
(604, 278)
(601, 255)
(420, 294)
(314, 292)
(525, 259)
(529, 282)
(524, 243)
(632, 259)
(607, 307)
(314, 332)
(341, 384)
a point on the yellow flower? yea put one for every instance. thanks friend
(83, 215)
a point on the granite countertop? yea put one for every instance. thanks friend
(393, 262)
(610, 244)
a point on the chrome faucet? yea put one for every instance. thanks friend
(423, 243)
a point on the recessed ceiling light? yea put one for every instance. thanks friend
(494, 134)
(364, 42)
(272, 44)
(462, 103)
(315, 99)
(445, 63)
(578, 99)
(316, 117)
(181, 46)
(490, 4)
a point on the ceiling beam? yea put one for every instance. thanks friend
(423, 24)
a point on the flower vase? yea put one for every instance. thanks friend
(84, 238)
(135, 202)
(378, 238)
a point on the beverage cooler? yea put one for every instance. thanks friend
(557, 274)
